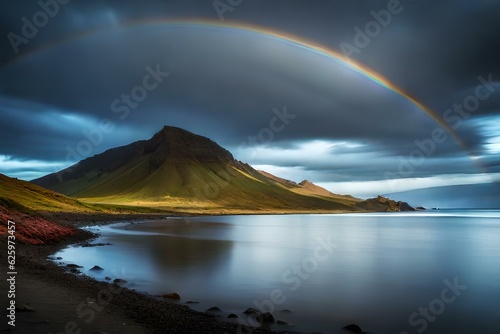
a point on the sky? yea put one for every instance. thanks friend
(398, 98)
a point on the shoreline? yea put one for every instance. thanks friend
(143, 313)
(81, 302)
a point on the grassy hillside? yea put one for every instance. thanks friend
(182, 171)
(177, 170)
(25, 197)
(194, 187)
(28, 198)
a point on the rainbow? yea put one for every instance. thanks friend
(292, 39)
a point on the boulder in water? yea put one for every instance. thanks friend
(173, 295)
(214, 309)
(353, 328)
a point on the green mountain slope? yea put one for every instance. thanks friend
(26, 197)
(178, 169)
(181, 171)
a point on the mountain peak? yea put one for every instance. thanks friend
(306, 184)
(172, 133)
(168, 131)
(176, 143)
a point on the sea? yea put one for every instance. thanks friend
(435, 271)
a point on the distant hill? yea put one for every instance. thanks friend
(381, 203)
(308, 188)
(315, 189)
(179, 170)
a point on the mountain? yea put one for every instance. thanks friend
(179, 170)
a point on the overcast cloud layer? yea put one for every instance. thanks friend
(275, 104)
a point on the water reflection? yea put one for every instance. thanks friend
(386, 266)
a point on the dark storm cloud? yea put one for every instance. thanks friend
(31, 130)
(42, 132)
(448, 43)
(74, 17)
(235, 80)
(347, 161)
(225, 85)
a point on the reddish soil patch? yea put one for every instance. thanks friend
(33, 230)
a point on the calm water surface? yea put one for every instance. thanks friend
(432, 272)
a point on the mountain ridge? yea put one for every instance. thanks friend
(181, 170)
